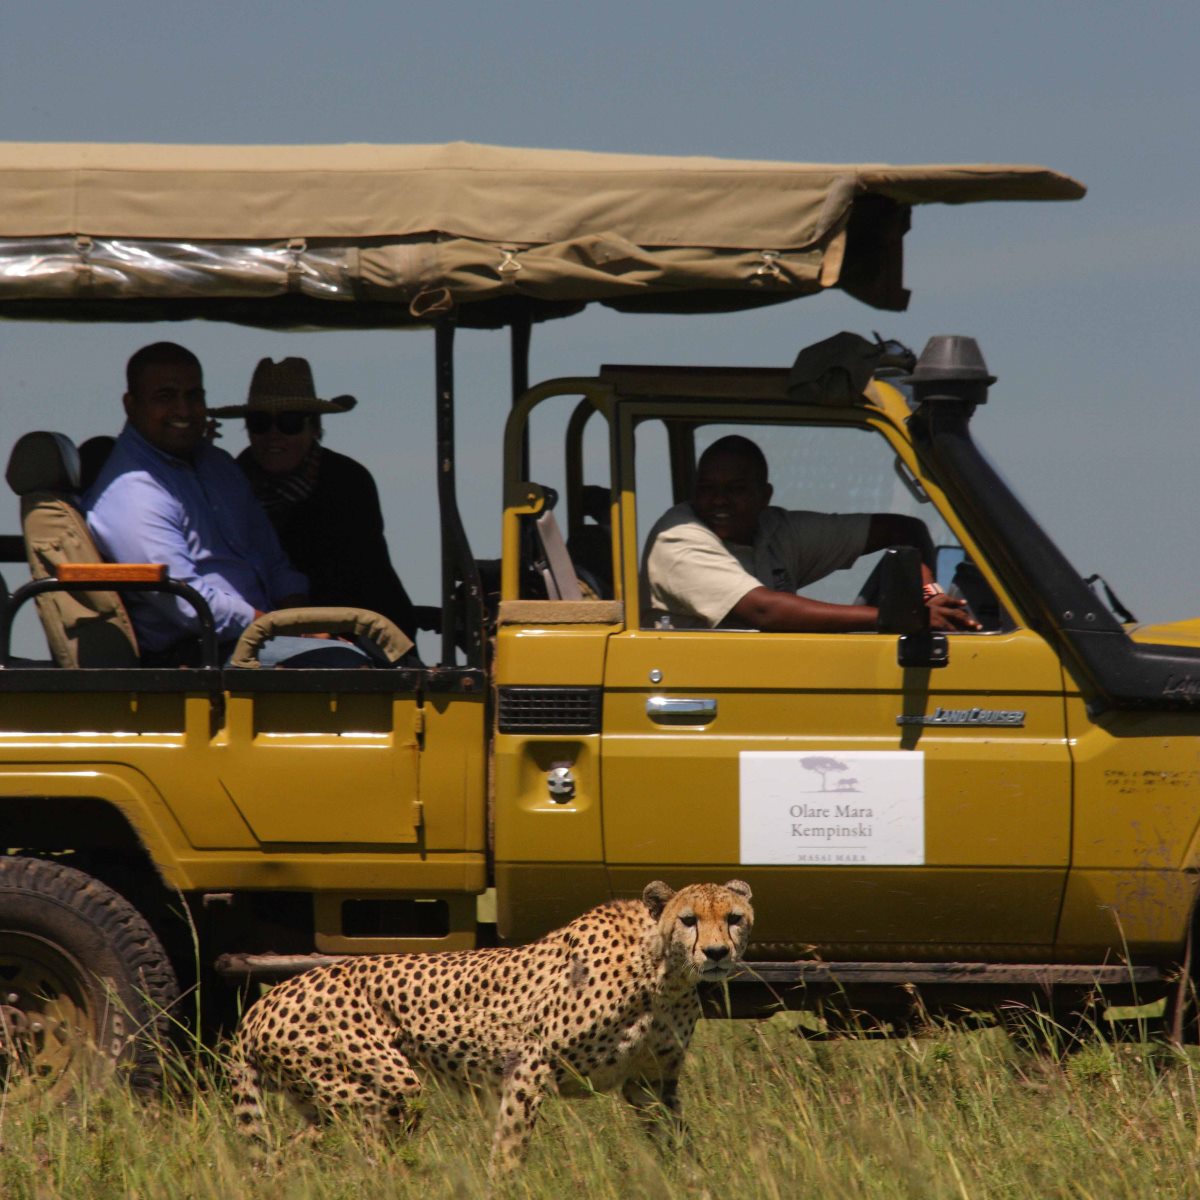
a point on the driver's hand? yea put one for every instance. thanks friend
(950, 612)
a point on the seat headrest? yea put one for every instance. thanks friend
(93, 454)
(43, 462)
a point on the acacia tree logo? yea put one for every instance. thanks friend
(823, 764)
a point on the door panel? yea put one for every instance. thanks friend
(992, 802)
(316, 767)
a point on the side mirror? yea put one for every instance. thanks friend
(901, 599)
(902, 610)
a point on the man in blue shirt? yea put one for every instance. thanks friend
(168, 495)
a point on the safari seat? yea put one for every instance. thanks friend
(557, 569)
(590, 545)
(83, 629)
(544, 553)
(93, 454)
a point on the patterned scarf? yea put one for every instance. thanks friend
(280, 493)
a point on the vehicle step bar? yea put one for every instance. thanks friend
(266, 968)
(270, 968)
(1040, 974)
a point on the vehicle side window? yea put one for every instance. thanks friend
(812, 469)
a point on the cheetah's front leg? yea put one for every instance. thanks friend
(657, 1103)
(524, 1089)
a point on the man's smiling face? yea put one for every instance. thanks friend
(730, 493)
(167, 407)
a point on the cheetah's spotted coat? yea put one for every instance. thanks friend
(608, 1000)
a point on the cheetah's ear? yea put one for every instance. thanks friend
(740, 886)
(655, 896)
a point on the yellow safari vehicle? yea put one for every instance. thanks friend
(989, 814)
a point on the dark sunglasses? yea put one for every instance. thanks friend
(286, 422)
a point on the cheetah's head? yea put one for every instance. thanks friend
(704, 927)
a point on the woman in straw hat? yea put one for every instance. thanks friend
(324, 505)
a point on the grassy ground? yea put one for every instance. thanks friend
(773, 1114)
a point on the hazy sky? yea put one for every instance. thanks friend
(1085, 311)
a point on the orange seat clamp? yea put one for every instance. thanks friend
(111, 572)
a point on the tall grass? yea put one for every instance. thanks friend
(773, 1114)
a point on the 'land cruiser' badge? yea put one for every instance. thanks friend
(965, 716)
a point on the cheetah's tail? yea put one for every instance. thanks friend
(246, 1085)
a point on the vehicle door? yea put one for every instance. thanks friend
(356, 758)
(868, 805)
(323, 756)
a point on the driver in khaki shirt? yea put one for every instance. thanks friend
(731, 559)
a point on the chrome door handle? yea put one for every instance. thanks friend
(683, 709)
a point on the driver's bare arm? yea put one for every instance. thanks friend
(783, 612)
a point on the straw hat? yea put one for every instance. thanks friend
(284, 386)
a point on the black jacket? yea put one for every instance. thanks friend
(335, 537)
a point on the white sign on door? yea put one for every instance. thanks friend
(833, 807)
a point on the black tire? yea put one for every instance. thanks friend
(85, 985)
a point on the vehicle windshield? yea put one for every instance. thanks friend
(819, 468)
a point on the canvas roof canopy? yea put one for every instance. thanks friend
(373, 235)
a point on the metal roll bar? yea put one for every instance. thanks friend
(209, 656)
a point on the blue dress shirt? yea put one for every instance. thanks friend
(202, 520)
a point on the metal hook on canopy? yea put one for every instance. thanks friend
(83, 268)
(768, 267)
(295, 269)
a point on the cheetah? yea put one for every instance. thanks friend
(606, 1001)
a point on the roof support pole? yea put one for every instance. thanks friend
(520, 333)
(460, 610)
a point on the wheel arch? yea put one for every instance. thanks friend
(85, 809)
(99, 821)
